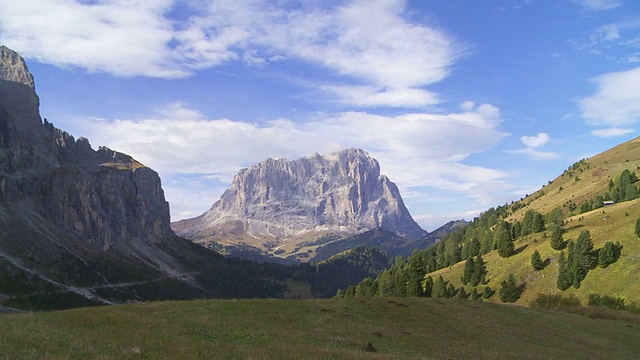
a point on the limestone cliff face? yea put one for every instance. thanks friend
(278, 198)
(69, 196)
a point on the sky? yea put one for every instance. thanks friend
(466, 105)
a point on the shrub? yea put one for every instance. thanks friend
(611, 302)
(554, 301)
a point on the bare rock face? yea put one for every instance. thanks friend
(277, 200)
(60, 198)
(13, 68)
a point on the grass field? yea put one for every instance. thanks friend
(407, 328)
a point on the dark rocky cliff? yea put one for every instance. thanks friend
(100, 196)
(74, 219)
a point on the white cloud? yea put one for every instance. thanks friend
(535, 153)
(414, 150)
(611, 132)
(599, 4)
(371, 96)
(532, 143)
(536, 140)
(387, 59)
(123, 38)
(616, 102)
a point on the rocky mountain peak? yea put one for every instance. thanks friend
(279, 199)
(66, 194)
(13, 68)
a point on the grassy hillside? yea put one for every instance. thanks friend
(401, 328)
(583, 180)
(595, 202)
(620, 279)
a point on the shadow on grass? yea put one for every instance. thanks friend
(520, 249)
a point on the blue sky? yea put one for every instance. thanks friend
(465, 104)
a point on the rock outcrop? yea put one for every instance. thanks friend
(65, 207)
(100, 196)
(277, 200)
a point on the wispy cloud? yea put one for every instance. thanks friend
(617, 41)
(535, 153)
(616, 101)
(370, 44)
(599, 4)
(612, 132)
(432, 146)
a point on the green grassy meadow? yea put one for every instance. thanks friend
(402, 328)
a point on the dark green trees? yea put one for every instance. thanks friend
(468, 270)
(583, 253)
(580, 259)
(474, 271)
(557, 241)
(624, 188)
(532, 223)
(440, 288)
(609, 254)
(564, 278)
(503, 239)
(638, 227)
(509, 290)
(487, 292)
(479, 271)
(536, 261)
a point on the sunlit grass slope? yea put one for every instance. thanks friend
(403, 328)
(581, 182)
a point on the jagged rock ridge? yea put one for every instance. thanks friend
(279, 199)
(69, 215)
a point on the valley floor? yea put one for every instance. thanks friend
(377, 328)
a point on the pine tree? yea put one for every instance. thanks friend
(504, 242)
(557, 242)
(638, 227)
(439, 288)
(474, 247)
(555, 218)
(536, 261)
(564, 280)
(509, 290)
(606, 255)
(538, 223)
(479, 271)
(428, 287)
(487, 292)
(451, 291)
(474, 294)
(414, 287)
(462, 294)
(468, 271)
(583, 252)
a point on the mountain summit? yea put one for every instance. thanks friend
(13, 68)
(277, 201)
